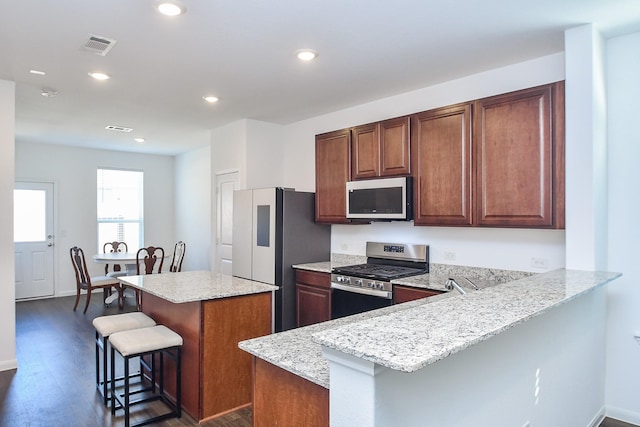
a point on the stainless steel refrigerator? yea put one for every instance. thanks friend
(273, 229)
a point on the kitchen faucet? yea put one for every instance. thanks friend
(451, 284)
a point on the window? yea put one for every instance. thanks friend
(120, 208)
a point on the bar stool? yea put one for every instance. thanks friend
(105, 326)
(137, 343)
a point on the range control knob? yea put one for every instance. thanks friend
(358, 282)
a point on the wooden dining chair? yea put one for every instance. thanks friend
(149, 260)
(84, 281)
(178, 256)
(111, 247)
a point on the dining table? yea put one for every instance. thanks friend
(128, 259)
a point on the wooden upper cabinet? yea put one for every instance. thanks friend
(333, 170)
(519, 152)
(442, 165)
(381, 149)
(365, 151)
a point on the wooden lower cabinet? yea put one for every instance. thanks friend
(216, 374)
(313, 297)
(283, 399)
(406, 293)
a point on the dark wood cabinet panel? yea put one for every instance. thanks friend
(281, 398)
(516, 158)
(406, 293)
(381, 149)
(442, 156)
(395, 148)
(365, 152)
(313, 297)
(333, 170)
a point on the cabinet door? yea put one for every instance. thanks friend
(365, 152)
(513, 139)
(313, 304)
(441, 145)
(395, 147)
(406, 293)
(333, 170)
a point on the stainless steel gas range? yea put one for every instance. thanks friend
(362, 287)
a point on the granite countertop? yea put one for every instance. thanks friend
(296, 352)
(409, 340)
(409, 336)
(192, 286)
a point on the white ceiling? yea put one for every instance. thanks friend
(243, 52)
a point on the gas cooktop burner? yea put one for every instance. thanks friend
(378, 271)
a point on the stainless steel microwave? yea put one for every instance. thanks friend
(380, 199)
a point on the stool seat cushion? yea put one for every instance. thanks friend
(107, 325)
(137, 341)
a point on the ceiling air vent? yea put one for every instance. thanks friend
(118, 128)
(98, 45)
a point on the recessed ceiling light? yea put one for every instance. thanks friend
(170, 8)
(48, 92)
(99, 75)
(210, 99)
(40, 73)
(141, 140)
(306, 54)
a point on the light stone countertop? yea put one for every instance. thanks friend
(295, 351)
(409, 336)
(409, 340)
(192, 286)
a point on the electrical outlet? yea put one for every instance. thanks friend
(538, 262)
(449, 256)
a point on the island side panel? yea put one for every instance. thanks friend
(227, 370)
(185, 320)
(285, 399)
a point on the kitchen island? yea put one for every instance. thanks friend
(379, 355)
(212, 312)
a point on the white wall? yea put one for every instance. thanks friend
(265, 155)
(193, 207)
(623, 352)
(73, 172)
(7, 264)
(498, 248)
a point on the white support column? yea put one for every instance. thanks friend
(586, 150)
(352, 399)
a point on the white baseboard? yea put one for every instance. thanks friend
(623, 415)
(595, 422)
(6, 365)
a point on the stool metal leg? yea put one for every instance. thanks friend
(126, 391)
(113, 381)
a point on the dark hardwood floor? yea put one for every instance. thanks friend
(54, 384)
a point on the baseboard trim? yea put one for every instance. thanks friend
(595, 422)
(7, 365)
(623, 415)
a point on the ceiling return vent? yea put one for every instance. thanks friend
(98, 45)
(118, 128)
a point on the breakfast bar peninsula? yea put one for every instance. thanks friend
(212, 312)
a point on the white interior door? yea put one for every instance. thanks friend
(33, 239)
(225, 185)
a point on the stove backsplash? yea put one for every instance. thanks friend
(340, 260)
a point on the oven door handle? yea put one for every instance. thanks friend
(364, 291)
